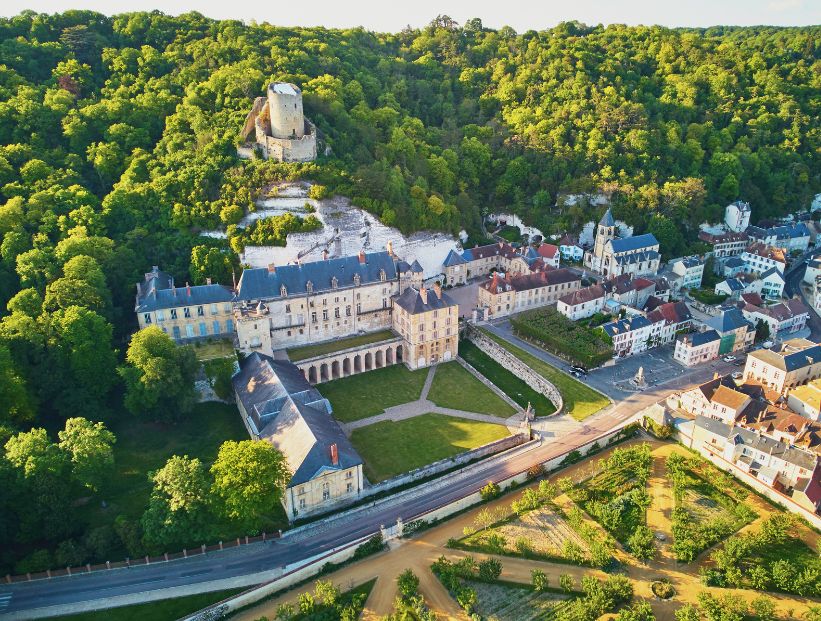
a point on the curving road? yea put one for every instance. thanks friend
(246, 564)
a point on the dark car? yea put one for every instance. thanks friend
(577, 369)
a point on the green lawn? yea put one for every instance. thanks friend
(512, 386)
(580, 401)
(163, 610)
(390, 448)
(309, 351)
(367, 394)
(456, 387)
(209, 350)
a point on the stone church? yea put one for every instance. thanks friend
(613, 255)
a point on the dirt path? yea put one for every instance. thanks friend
(661, 509)
(419, 552)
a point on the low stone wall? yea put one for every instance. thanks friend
(515, 366)
(478, 375)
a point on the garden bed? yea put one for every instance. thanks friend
(516, 602)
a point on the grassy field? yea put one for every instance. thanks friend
(367, 394)
(163, 610)
(309, 351)
(209, 350)
(580, 401)
(456, 387)
(390, 448)
(512, 386)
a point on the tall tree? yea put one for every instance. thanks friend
(90, 449)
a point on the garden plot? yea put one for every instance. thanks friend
(709, 506)
(506, 602)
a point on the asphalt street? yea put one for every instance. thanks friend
(330, 533)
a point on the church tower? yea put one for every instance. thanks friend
(605, 232)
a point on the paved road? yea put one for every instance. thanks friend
(256, 558)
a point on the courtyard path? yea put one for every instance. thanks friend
(417, 553)
(428, 384)
(661, 509)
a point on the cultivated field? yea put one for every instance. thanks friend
(507, 602)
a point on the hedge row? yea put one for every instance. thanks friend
(565, 338)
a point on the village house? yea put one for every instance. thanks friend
(631, 335)
(760, 258)
(732, 266)
(184, 313)
(582, 303)
(570, 249)
(737, 216)
(629, 291)
(614, 256)
(725, 244)
(505, 295)
(782, 318)
(278, 405)
(806, 400)
(812, 272)
(668, 320)
(736, 332)
(687, 273)
(500, 257)
(428, 322)
(693, 349)
(787, 237)
(719, 398)
(793, 363)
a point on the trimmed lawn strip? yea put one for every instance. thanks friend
(504, 380)
(580, 401)
(390, 448)
(368, 394)
(309, 351)
(457, 388)
(163, 610)
(211, 350)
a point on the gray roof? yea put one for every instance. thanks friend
(620, 326)
(291, 414)
(771, 271)
(728, 321)
(453, 258)
(783, 232)
(638, 257)
(411, 300)
(416, 267)
(637, 242)
(764, 444)
(267, 283)
(158, 292)
(688, 261)
(607, 219)
(700, 338)
(734, 284)
(734, 262)
(787, 360)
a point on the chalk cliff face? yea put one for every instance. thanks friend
(279, 127)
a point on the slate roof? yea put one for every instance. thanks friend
(699, 338)
(525, 282)
(734, 262)
(637, 242)
(782, 311)
(739, 435)
(620, 326)
(416, 267)
(794, 354)
(293, 416)
(607, 219)
(266, 283)
(414, 302)
(671, 312)
(453, 258)
(733, 284)
(158, 292)
(773, 271)
(729, 321)
(766, 252)
(781, 233)
(490, 250)
(687, 261)
(722, 238)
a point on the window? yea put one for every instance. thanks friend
(229, 325)
(160, 315)
(358, 308)
(384, 302)
(226, 307)
(349, 474)
(186, 313)
(147, 318)
(301, 503)
(216, 327)
(336, 313)
(326, 491)
(176, 332)
(348, 310)
(214, 309)
(287, 308)
(349, 487)
(300, 490)
(200, 311)
(313, 317)
(173, 313)
(189, 331)
(324, 314)
(203, 329)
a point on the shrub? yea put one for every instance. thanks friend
(408, 583)
(371, 546)
(219, 372)
(534, 472)
(641, 543)
(490, 491)
(39, 560)
(566, 582)
(490, 569)
(69, 554)
(539, 580)
(662, 589)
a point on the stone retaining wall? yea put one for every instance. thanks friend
(516, 366)
(478, 375)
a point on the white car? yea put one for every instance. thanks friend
(728, 358)
(737, 375)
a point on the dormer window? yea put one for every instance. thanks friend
(334, 283)
(283, 291)
(309, 286)
(382, 275)
(357, 280)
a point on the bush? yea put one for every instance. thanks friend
(539, 580)
(490, 569)
(69, 554)
(490, 491)
(662, 589)
(371, 546)
(39, 560)
(219, 374)
(408, 583)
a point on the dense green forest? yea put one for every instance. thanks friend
(118, 144)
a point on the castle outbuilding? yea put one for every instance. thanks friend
(277, 126)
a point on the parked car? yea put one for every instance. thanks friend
(740, 362)
(728, 358)
(767, 344)
(737, 375)
(578, 369)
(577, 374)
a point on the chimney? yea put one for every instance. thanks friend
(208, 281)
(389, 247)
(173, 291)
(437, 288)
(362, 256)
(272, 268)
(325, 254)
(334, 454)
(424, 294)
(188, 289)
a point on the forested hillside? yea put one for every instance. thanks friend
(118, 144)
